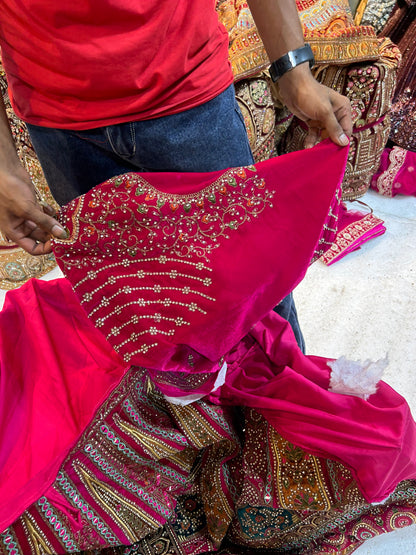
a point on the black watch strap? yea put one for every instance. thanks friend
(291, 60)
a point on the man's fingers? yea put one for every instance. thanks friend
(334, 129)
(343, 115)
(47, 224)
(341, 124)
(33, 247)
(33, 233)
(47, 208)
(313, 137)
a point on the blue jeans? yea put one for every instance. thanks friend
(206, 138)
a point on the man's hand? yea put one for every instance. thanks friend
(325, 111)
(22, 219)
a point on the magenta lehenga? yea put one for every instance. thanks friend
(153, 400)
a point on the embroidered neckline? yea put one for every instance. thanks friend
(151, 223)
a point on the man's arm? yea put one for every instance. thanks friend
(322, 108)
(22, 219)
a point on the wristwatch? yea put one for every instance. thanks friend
(291, 60)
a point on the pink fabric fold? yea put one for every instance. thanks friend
(193, 273)
(354, 229)
(396, 174)
(55, 371)
(200, 249)
(375, 439)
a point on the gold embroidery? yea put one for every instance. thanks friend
(257, 107)
(123, 512)
(159, 223)
(247, 54)
(346, 237)
(156, 447)
(125, 263)
(324, 16)
(152, 229)
(385, 181)
(196, 428)
(298, 477)
(39, 543)
(16, 265)
(343, 50)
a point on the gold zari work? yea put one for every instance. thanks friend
(348, 58)
(16, 265)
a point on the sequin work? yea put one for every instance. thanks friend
(158, 277)
(151, 256)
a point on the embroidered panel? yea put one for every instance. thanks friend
(255, 100)
(351, 235)
(159, 277)
(169, 480)
(16, 265)
(376, 13)
(396, 173)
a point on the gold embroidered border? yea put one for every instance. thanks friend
(247, 55)
(298, 477)
(385, 182)
(17, 266)
(344, 50)
(346, 237)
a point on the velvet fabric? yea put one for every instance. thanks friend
(59, 375)
(174, 269)
(56, 370)
(396, 174)
(196, 272)
(355, 228)
(376, 439)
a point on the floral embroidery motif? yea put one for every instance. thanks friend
(157, 279)
(155, 223)
(385, 181)
(346, 237)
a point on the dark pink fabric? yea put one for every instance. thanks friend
(354, 229)
(55, 371)
(218, 262)
(396, 174)
(217, 250)
(376, 438)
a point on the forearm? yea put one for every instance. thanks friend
(319, 107)
(278, 24)
(22, 219)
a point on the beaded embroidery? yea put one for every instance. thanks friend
(160, 223)
(170, 233)
(16, 265)
(156, 272)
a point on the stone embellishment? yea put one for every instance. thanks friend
(150, 222)
(139, 258)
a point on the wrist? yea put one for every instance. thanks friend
(293, 59)
(297, 77)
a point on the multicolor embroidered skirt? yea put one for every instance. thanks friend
(196, 479)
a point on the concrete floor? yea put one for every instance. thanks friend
(364, 306)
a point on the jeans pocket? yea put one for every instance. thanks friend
(122, 139)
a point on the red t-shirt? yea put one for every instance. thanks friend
(81, 64)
